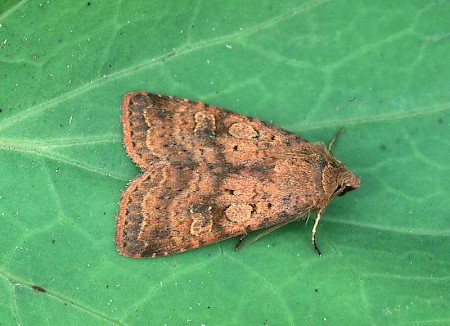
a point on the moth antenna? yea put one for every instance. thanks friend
(238, 244)
(339, 132)
(314, 230)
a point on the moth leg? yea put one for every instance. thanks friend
(307, 219)
(259, 236)
(339, 132)
(238, 244)
(314, 230)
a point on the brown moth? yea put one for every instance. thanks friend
(210, 174)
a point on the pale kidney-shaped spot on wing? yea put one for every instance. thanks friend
(239, 212)
(202, 219)
(205, 123)
(242, 130)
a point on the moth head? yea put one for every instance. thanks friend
(337, 179)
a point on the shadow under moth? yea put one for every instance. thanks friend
(210, 174)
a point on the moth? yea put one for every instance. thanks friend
(209, 174)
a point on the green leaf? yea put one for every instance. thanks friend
(380, 69)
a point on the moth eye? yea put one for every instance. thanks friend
(341, 191)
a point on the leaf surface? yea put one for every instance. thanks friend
(380, 69)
